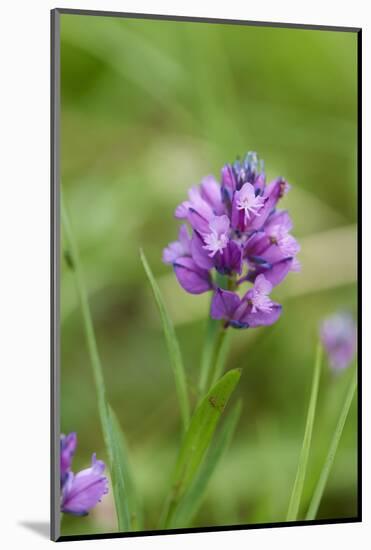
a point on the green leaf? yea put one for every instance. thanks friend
(190, 503)
(116, 459)
(172, 346)
(198, 438)
(319, 490)
(124, 486)
(297, 491)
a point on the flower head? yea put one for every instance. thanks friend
(237, 232)
(82, 491)
(339, 338)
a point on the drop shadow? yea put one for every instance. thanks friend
(41, 528)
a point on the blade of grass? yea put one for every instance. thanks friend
(122, 457)
(198, 438)
(110, 437)
(190, 503)
(117, 463)
(320, 487)
(297, 491)
(172, 346)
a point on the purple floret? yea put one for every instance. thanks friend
(82, 491)
(254, 309)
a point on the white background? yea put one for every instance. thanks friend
(24, 270)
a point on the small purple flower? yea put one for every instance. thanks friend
(272, 251)
(339, 338)
(82, 491)
(193, 276)
(237, 232)
(212, 247)
(205, 200)
(253, 310)
(179, 248)
(217, 237)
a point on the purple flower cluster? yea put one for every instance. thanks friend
(236, 232)
(339, 338)
(82, 491)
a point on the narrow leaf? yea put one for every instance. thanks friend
(109, 432)
(297, 491)
(127, 482)
(116, 461)
(172, 346)
(319, 490)
(190, 504)
(198, 437)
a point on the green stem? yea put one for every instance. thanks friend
(212, 356)
(73, 259)
(207, 353)
(221, 356)
(297, 491)
(215, 334)
(319, 490)
(217, 352)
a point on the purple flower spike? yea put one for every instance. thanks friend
(82, 491)
(238, 233)
(339, 338)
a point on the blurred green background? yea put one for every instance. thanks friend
(149, 108)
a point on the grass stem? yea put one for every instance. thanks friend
(109, 433)
(320, 487)
(295, 500)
